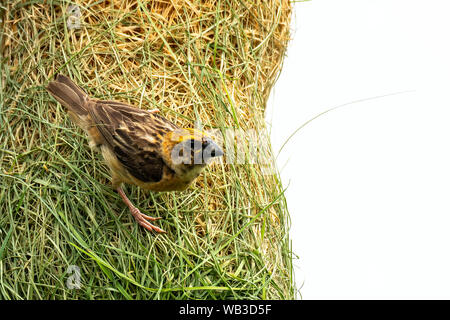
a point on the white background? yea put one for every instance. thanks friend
(368, 183)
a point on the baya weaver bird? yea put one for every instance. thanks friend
(139, 146)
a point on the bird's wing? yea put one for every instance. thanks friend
(134, 136)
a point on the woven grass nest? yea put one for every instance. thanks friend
(64, 233)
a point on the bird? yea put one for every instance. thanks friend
(139, 146)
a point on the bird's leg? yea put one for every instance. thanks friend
(141, 218)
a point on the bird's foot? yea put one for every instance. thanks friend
(143, 219)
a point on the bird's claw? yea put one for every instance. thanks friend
(142, 219)
(146, 217)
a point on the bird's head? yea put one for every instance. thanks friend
(187, 151)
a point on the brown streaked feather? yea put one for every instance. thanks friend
(134, 136)
(78, 104)
(69, 95)
(68, 82)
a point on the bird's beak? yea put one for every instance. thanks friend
(216, 151)
(212, 150)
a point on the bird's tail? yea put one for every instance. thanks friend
(69, 95)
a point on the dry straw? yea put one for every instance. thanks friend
(207, 62)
